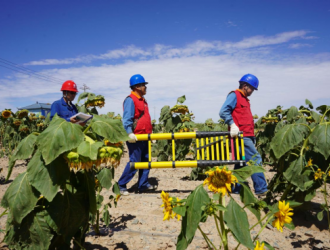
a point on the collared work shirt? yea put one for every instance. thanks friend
(62, 109)
(227, 108)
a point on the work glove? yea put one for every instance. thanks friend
(234, 130)
(133, 138)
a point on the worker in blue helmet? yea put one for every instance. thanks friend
(136, 120)
(237, 114)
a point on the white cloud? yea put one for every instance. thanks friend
(192, 49)
(299, 45)
(231, 24)
(204, 79)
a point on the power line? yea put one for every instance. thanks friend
(26, 73)
(15, 65)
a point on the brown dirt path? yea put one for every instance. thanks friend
(137, 222)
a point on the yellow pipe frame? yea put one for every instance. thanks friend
(242, 147)
(198, 151)
(207, 149)
(149, 150)
(203, 153)
(217, 148)
(227, 147)
(212, 149)
(165, 164)
(237, 148)
(173, 150)
(165, 136)
(222, 149)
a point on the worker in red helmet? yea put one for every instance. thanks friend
(64, 107)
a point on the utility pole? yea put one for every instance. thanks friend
(84, 87)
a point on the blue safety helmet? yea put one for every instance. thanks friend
(136, 79)
(251, 80)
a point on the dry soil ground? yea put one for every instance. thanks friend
(137, 222)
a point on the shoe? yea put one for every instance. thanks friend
(150, 188)
(124, 192)
(262, 195)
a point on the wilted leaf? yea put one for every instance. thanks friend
(181, 99)
(105, 177)
(47, 179)
(320, 138)
(59, 137)
(237, 221)
(111, 129)
(310, 105)
(23, 151)
(20, 198)
(190, 221)
(89, 150)
(66, 215)
(287, 138)
(292, 113)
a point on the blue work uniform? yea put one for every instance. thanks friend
(63, 110)
(138, 151)
(259, 180)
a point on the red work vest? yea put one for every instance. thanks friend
(242, 115)
(143, 126)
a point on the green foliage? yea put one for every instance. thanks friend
(288, 141)
(192, 217)
(59, 137)
(237, 221)
(173, 120)
(49, 205)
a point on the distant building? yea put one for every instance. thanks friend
(38, 108)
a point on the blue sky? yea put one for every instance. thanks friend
(196, 48)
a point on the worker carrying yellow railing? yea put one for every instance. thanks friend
(216, 142)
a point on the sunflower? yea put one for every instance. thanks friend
(220, 180)
(17, 122)
(23, 113)
(108, 143)
(318, 174)
(168, 206)
(6, 113)
(259, 247)
(282, 216)
(309, 163)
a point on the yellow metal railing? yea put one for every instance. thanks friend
(213, 149)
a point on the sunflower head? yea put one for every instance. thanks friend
(23, 113)
(283, 215)
(6, 113)
(318, 174)
(24, 128)
(169, 203)
(17, 122)
(309, 163)
(220, 180)
(259, 247)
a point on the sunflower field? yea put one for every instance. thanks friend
(56, 200)
(14, 127)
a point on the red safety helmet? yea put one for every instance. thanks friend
(69, 85)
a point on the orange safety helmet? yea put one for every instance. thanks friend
(69, 85)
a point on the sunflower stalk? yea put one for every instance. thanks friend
(325, 193)
(263, 227)
(208, 241)
(222, 223)
(216, 223)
